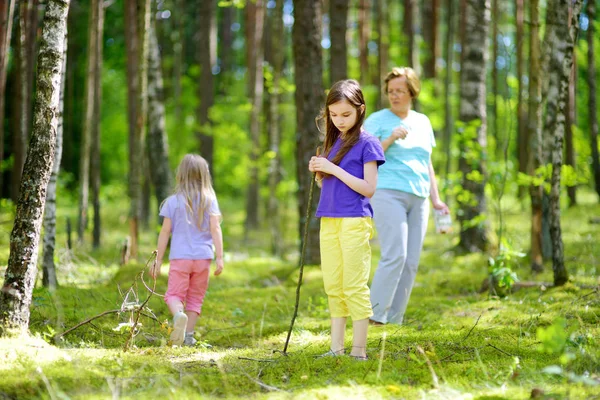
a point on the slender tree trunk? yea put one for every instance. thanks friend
(338, 52)
(448, 120)
(570, 115)
(523, 149)
(364, 33)
(225, 47)
(206, 97)
(132, 49)
(158, 151)
(309, 96)
(178, 40)
(256, 99)
(7, 8)
(473, 137)
(495, 21)
(535, 135)
(16, 294)
(88, 123)
(138, 143)
(383, 41)
(49, 279)
(561, 61)
(430, 36)
(274, 127)
(95, 178)
(592, 108)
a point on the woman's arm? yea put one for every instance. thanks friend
(437, 203)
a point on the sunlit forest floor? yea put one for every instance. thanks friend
(456, 343)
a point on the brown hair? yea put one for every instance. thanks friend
(348, 90)
(412, 80)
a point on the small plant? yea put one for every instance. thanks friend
(502, 277)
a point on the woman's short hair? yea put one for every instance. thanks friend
(412, 80)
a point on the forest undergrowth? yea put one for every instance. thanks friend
(457, 342)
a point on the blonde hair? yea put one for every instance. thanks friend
(412, 80)
(195, 185)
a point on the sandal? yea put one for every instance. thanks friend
(361, 358)
(330, 353)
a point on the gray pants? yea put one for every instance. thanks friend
(401, 222)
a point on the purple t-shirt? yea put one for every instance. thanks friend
(188, 242)
(337, 199)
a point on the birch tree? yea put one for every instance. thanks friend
(16, 294)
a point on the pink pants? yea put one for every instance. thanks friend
(188, 281)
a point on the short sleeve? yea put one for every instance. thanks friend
(214, 208)
(430, 129)
(372, 151)
(167, 209)
(372, 126)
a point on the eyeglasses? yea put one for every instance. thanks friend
(397, 92)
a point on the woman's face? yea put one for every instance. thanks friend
(343, 115)
(398, 94)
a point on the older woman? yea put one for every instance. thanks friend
(400, 205)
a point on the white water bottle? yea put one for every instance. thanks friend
(443, 222)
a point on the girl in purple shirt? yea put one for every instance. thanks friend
(347, 174)
(192, 216)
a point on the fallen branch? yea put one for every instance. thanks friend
(473, 327)
(87, 321)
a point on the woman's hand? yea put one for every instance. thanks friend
(440, 206)
(399, 132)
(321, 164)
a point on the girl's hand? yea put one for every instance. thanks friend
(441, 206)
(400, 133)
(220, 266)
(155, 269)
(321, 164)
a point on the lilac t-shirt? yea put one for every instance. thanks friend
(188, 242)
(337, 199)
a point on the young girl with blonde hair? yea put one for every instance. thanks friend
(192, 216)
(347, 174)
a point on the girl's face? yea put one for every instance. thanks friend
(398, 94)
(343, 115)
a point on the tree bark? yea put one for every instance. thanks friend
(495, 21)
(88, 122)
(534, 119)
(338, 52)
(158, 151)
(364, 33)
(474, 235)
(95, 177)
(206, 97)
(178, 40)
(256, 18)
(16, 294)
(430, 36)
(571, 119)
(523, 149)
(448, 120)
(592, 108)
(561, 61)
(309, 96)
(383, 44)
(7, 8)
(49, 279)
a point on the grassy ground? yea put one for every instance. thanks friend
(456, 343)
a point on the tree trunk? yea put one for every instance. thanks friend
(277, 51)
(570, 115)
(256, 18)
(521, 109)
(338, 52)
(7, 8)
(364, 33)
(430, 36)
(88, 122)
(474, 236)
(561, 61)
(132, 49)
(49, 279)
(448, 121)
(383, 44)
(309, 96)
(592, 109)
(16, 294)
(158, 152)
(25, 53)
(178, 40)
(495, 21)
(206, 97)
(95, 178)
(535, 136)
(138, 143)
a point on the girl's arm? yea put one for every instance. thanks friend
(437, 203)
(163, 241)
(217, 237)
(365, 186)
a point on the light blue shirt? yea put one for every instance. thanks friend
(407, 160)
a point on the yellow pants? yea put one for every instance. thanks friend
(346, 263)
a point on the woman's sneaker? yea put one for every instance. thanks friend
(179, 324)
(189, 339)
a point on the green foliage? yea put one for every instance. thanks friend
(502, 269)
